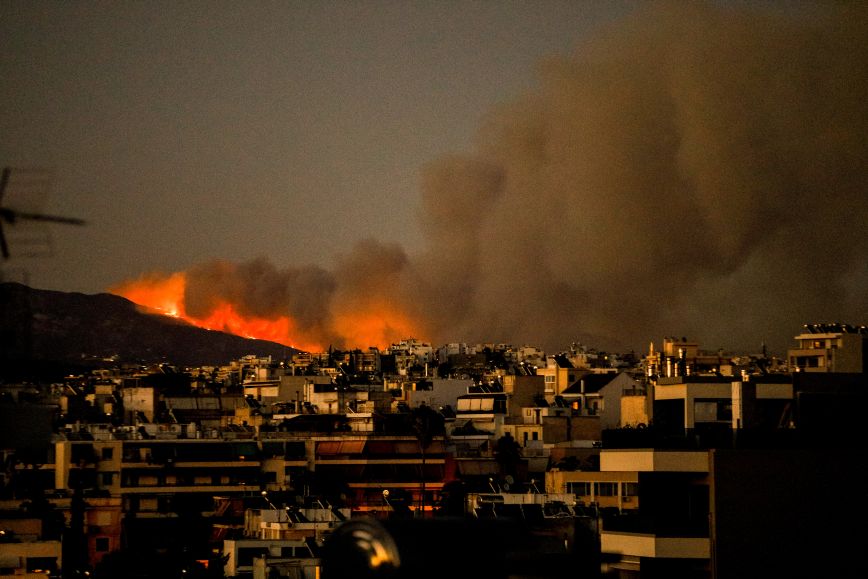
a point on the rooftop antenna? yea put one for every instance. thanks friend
(10, 216)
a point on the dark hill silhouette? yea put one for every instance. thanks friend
(47, 328)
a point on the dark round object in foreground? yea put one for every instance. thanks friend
(362, 549)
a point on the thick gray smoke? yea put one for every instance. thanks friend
(695, 171)
(258, 289)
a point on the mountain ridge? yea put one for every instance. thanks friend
(57, 328)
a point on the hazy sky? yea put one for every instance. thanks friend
(599, 159)
(185, 131)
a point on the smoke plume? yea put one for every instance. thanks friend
(696, 170)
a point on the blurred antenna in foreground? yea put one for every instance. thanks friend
(27, 189)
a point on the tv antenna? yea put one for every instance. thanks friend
(9, 216)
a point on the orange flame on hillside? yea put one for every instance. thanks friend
(166, 296)
(370, 321)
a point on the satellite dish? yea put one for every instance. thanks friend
(9, 216)
(509, 480)
(506, 486)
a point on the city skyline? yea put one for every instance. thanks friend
(535, 172)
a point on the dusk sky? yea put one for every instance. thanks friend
(534, 172)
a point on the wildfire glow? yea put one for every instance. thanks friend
(371, 321)
(225, 319)
(165, 294)
(379, 328)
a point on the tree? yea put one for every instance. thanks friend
(452, 499)
(426, 424)
(507, 453)
(74, 542)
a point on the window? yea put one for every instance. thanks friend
(131, 504)
(704, 411)
(534, 435)
(550, 379)
(148, 504)
(606, 489)
(83, 453)
(164, 504)
(629, 489)
(712, 411)
(102, 544)
(271, 449)
(108, 479)
(107, 453)
(580, 489)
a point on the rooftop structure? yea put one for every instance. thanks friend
(830, 348)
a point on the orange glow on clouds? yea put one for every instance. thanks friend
(374, 328)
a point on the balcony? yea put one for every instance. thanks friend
(655, 546)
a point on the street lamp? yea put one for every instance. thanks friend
(270, 504)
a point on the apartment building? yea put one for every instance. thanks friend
(730, 513)
(830, 348)
(735, 476)
(594, 394)
(27, 549)
(283, 541)
(670, 506)
(558, 374)
(683, 357)
(703, 405)
(668, 533)
(603, 489)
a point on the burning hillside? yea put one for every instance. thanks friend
(299, 308)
